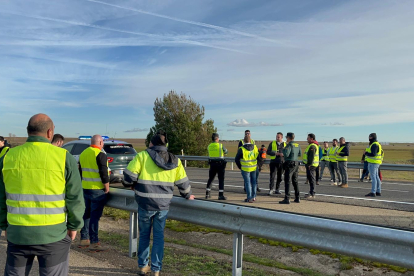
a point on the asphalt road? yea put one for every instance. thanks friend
(395, 195)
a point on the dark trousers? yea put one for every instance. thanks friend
(95, 201)
(333, 168)
(291, 175)
(276, 169)
(219, 168)
(53, 258)
(311, 176)
(317, 173)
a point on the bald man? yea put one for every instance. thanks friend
(95, 182)
(44, 206)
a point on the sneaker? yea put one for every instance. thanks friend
(331, 180)
(144, 270)
(96, 247)
(344, 185)
(285, 201)
(320, 179)
(317, 183)
(155, 273)
(270, 193)
(334, 184)
(370, 195)
(306, 183)
(297, 200)
(84, 243)
(208, 196)
(277, 192)
(259, 190)
(309, 196)
(222, 197)
(360, 180)
(378, 194)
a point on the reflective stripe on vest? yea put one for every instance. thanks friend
(325, 156)
(315, 162)
(215, 150)
(249, 161)
(274, 146)
(4, 151)
(251, 141)
(34, 179)
(332, 154)
(341, 158)
(377, 159)
(91, 179)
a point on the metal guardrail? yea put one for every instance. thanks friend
(374, 243)
(351, 165)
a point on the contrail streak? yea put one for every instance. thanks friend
(188, 21)
(173, 39)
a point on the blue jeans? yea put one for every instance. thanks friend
(373, 173)
(95, 201)
(146, 221)
(250, 184)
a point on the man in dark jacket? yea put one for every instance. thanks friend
(374, 156)
(276, 163)
(311, 160)
(260, 162)
(152, 175)
(246, 161)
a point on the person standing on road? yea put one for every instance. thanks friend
(152, 174)
(324, 161)
(374, 156)
(246, 161)
(276, 163)
(260, 161)
(41, 202)
(3, 147)
(216, 152)
(291, 153)
(311, 161)
(333, 164)
(93, 166)
(58, 140)
(342, 158)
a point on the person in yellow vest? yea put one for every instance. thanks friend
(246, 135)
(41, 202)
(333, 164)
(3, 147)
(324, 162)
(342, 159)
(93, 166)
(374, 156)
(246, 161)
(311, 161)
(152, 174)
(216, 152)
(291, 154)
(276, 163)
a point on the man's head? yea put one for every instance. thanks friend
(279, 137)
(311, 138)
(159, 139)
(334, 142)
(290, 136)
(215, 137)
(1, 141)
(342, 140)
(41, 125)
(58, 140)
(372, 137)
(97, 141)
(326, 144)
(263, 146)
(247, 136)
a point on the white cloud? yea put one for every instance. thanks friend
(244, 123)
(137, 130)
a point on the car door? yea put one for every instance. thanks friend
(78, 149)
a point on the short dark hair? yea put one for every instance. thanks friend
(39, 126)
(291, 135)
(311, 135)
(336, 140)
(58, 137)
(1, 139)
(246, 131)
(279, 133)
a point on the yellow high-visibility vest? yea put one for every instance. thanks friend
(3, 151)
(249, 161)
(315, 162)
(215, 150)
(91, 179)
(325, 156)
(377, 159)
(251, 141)
(332, 153)
(34, 178)
(341, 158)
(274, 148)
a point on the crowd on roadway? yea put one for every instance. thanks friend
(46, 197)
(285, 158)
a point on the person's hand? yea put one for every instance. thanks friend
(192, 197)
(132, 188)
(106, 188)
(72, 234)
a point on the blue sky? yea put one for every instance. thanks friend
(334, 68)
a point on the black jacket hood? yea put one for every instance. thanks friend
(248, 146)
(162, 158)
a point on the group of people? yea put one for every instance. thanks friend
(285, 158)
(46, 197)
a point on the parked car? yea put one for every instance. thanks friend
(119, 154)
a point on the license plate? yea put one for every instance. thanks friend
(121, 171)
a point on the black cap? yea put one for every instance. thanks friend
(214, 136)
(263, 146)
(290, 135)
(373, 135)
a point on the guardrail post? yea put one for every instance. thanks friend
(185, 163)
(360, 173)
(133, 234)
(237, 254)
(232, 165)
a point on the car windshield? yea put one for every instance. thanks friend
(119, 149)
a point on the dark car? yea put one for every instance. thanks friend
(119, 154)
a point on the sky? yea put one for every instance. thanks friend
(332, 68)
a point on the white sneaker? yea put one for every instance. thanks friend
(334, 184)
